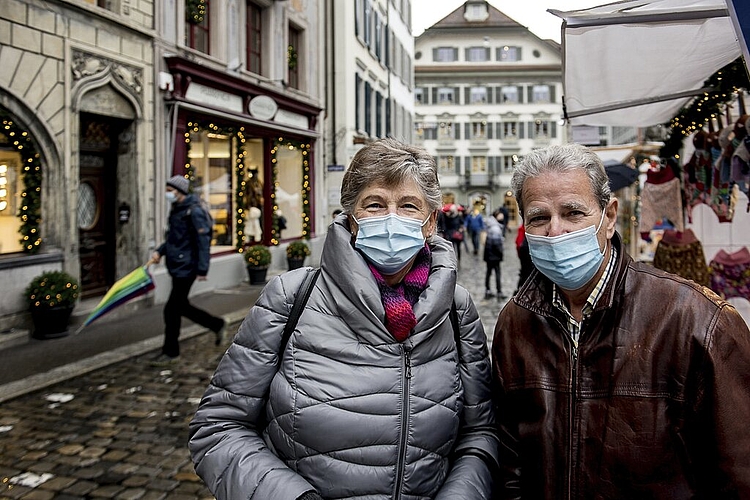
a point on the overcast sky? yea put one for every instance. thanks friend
(530, 13)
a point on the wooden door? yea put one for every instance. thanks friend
(96, 203)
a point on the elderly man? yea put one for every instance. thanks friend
(613, 379)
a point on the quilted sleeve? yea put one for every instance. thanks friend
(225, 440)
(476, 451)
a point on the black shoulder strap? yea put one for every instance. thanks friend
(299, 304)
(454, 322)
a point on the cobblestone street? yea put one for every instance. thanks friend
(120, 431)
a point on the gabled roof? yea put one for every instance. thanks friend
(456, 19)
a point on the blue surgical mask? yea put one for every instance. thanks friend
(171, 196)
(390, 241)
(569, 260)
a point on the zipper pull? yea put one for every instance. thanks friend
(407, 361)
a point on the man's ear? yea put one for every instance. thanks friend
(610, 214)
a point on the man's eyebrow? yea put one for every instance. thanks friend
(575, 205)
(534, 211)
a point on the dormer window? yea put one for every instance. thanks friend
(476, 11)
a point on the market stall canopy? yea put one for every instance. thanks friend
(637, 62)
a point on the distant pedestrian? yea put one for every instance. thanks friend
(474, 224)
(493, 256)
(522, 249)
(187, 250)
(451, 226)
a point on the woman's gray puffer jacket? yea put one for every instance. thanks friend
(352, 413)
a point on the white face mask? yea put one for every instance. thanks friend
(171, 196)
(390, 241)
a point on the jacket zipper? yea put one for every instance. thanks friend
(573, 370)
(404, 421)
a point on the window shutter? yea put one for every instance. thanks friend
(434, 95)
(530, 94)
(457, 161)
(456, 94)
(487, 54)
(467, 165)
(499, 94)
(489, 95)
(520, 95)
(490, 127)
(490, 165)
(435, 54)
(457, 131)
(357, 102)
(521, 130)
(553, 129)
(466, 54)
(552, 93)
(467, 130)
(530, 125)
(455, 53)
(467, 95)
(518, 53)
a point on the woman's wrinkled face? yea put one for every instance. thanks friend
(405, 200)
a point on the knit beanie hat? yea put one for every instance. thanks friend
(180, 183)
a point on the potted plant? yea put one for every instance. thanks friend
(51, 297)
(257, 258)
(296, 252)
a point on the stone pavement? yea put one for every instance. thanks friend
(117, 428)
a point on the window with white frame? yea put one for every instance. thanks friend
(509, 162)
(509, 94)
(540, 93)
(541, 128)
(479, 130)
(446, 164)
(446, 95)
(478, 164)
(478, 95)
(509, 54)
(510, 130)
(445, 130)
(477, 54)
(419, 95)
(445, 54)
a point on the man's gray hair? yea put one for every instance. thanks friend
(560, 159)
(389, 162)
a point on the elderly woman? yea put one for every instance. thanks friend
(383, 388)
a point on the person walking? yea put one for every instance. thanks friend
(493, 256)
(382, 389)
(618, 380)
(474, 223)
(187, 252)
(452, 228)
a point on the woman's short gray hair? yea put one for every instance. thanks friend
(389, 162)
(561, 159)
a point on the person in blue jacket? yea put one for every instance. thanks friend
(187, 250)
(474, 223)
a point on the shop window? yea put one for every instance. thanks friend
(212, 161)
(10, 196)
(197, 33)
(290, 172)
(254, 49)
(253, 190)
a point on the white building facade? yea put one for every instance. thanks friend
(487, 92)
(369, 81)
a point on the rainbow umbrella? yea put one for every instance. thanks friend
(137, 283)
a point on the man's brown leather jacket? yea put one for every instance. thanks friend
(654, 402)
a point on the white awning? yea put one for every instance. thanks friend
(637, 62)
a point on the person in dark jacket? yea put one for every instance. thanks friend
(452, 227)
(187, 252)
(382, 391)
(617, 380)
(493, 256)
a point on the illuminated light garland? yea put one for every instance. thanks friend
(30, 212)
(195, 11)
(724, 85)
(305, 215)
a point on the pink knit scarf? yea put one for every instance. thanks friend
(399, 299)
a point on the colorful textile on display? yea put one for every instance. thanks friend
(682, 254)
(399, 299)
(730, 274)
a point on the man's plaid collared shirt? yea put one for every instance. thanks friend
(574, 327)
